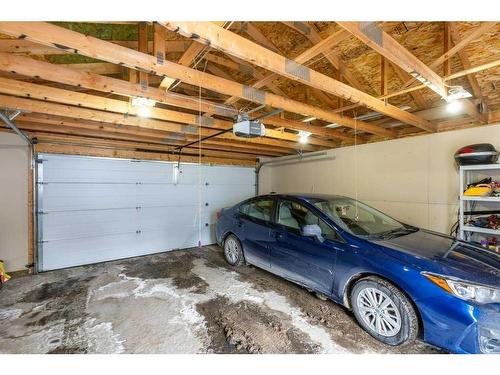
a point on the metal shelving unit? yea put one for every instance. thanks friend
(468, 175)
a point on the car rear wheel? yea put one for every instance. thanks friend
(233, 251)
(384, 311)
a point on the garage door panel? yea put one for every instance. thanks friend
(163, 194)
(63, 254)
(98, 209)
(77, 169)
(171, 239)
(161, 217)
(151, 172)
(71, 224)
(224, 194)
(229, 176)
(63, 196)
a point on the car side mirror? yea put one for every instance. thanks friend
(313, 230)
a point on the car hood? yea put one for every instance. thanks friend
(435, 252)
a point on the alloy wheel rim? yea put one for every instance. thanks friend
(231, 249)
(379, 312)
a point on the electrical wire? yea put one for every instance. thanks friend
(200, 169)
(356, 217)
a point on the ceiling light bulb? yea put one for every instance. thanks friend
(303, 136)
(454, 106)
(143, 111)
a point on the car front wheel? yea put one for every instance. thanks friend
(233, 251)
(384, 311)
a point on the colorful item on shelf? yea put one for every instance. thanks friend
(3, 275)
(490, 222)
(481, 190)
(484, 188)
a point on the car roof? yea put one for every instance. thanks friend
(305, 196)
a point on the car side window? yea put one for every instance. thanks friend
(260, 209)
(294, 216)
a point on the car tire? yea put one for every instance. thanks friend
(384, 311)
(233, 251)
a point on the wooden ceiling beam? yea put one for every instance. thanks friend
(27, 47)
(417, 96)
(162, 119)
(464, 58)
(186, 59)
(324, 47)
(474, 69)
(472, 35)
(376, 38)
(69, 76)
(383, 75)
(326, 44)
(89, 148)
(75, 42)
(238, 46)
(143, 47)
(95, 68)
(150, 134)
(118, 140)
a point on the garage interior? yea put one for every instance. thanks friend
(118, 148)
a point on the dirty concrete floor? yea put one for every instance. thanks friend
(187, 301)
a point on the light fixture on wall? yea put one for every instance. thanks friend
(303, 136)
(143, 105)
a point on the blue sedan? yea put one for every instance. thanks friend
(401, 282)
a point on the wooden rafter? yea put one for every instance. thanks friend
(160, 118)
(146, 134)
(376, 38)
(75, 42)
(474, 34)
(324, 46)
(186, 59)
(245, 49)
(383, 75)
(65, 74)
(143, 47)
(26, 47)
(464, 58)
(56, 73)
(474, 69)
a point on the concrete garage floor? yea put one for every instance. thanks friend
(187, 301)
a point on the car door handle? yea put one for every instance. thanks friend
(239, 223)
(278, 235)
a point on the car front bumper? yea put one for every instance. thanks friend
(459, 326)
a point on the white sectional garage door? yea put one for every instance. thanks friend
(98, 209)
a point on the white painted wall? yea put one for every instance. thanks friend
(14, 164)
(413, 179)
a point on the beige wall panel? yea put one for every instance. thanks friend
(414, 179)
(14, 164)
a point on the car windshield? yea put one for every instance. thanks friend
(359, 219)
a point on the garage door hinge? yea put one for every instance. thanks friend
(138, 207)
(42, 183)
(41, 213)
(40, 160)
(138, 232)
(138, 183)
(43, 241)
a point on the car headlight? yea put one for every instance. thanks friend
(464, 289)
